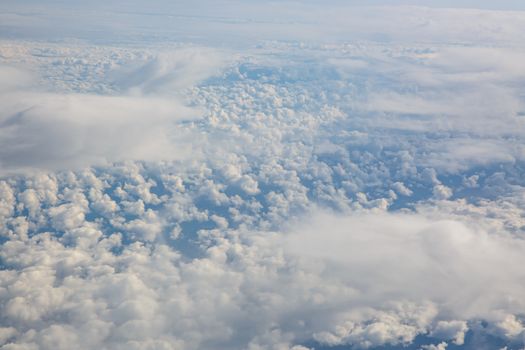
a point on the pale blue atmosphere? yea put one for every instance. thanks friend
(262, 175)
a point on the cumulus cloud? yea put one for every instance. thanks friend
(463, 98)
(451, 330)
(440, 346)
(312, 191)
(411, 256)
(364, 280)
(40, 130)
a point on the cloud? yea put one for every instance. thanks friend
(54, 131)
(12, 78)
(465, 115)
(237, 22)
(440, 346)
(407, 256)
(169, 72)
(462, 154)
(454, 330)
(206, 222)
(365, 280)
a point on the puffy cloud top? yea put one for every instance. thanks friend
(289, 175)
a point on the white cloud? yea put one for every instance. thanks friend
(55, 130)
(461, 154)
(240, 22)
(442, 192)
(400, 188)
(205, 233)
(440, 346)
(169, 72)
(451, 330)
(51, 131)
(366, 280)
(66, 216)
(419, 258)
(62, 131)
(12, 78)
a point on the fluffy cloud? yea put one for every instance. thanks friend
(426, 256)
(440, 346)
(43, 130)
(366, 280)
(273, 195)
(71, 131)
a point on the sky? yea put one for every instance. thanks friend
(262, 175)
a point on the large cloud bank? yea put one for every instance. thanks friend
(368, 282)
(316, 190)
(72, 129)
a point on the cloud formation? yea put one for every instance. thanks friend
(410, 256)
(49, 131)
(364, 280)
(320, 176)
(56, 131)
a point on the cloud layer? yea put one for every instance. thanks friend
(317, 176)
(56, 131)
